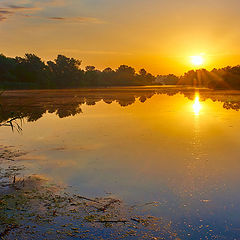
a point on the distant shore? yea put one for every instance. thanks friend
(31, 72)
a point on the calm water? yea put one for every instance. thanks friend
(177, 147)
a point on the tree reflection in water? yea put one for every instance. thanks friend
(31, 105)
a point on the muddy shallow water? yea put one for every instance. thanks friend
(178, 148)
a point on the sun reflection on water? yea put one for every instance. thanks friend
(197, 105)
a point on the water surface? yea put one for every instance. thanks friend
(178, 147)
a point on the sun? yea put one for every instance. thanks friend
(197, 61)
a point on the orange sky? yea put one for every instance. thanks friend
(159, 35)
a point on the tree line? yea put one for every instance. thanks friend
(223, 78)
(32, 72)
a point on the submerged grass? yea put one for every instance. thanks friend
(32, 208)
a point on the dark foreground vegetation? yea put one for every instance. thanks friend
(31, 72)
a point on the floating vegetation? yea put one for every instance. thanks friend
(33, 208)
(39, 209)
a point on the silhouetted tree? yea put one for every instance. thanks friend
(142, 72)
(31, 69)
(65, 72)
(92, 76)
(7, 67)
(108, 77)
(125, 75)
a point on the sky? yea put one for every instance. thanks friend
(158, 35)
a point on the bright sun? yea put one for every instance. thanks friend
(197, 60)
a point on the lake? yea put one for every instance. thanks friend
(178, 148)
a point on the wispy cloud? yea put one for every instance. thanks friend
(20, 8)
(10, 10)
(77, 19)
(35, 3)
(57, 18)
(4, 14)
(35, 8)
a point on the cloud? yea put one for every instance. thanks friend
(10, 10)
(77, 19)
(15, 7)
(24, 7)
(57, 18)
(5, 12)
